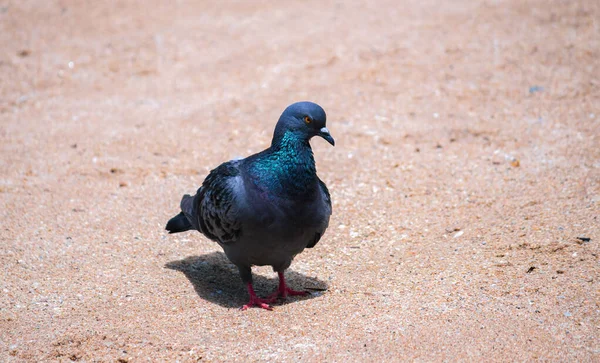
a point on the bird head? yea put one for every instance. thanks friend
(304, 119)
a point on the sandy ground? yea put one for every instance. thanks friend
(466, 167)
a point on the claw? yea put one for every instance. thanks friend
(259, 303)
(285, 293)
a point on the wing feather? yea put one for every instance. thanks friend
(212, 210)
(327, 204)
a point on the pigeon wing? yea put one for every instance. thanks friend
(327, 206)
(213, 210)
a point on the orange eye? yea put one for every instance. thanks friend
(307, 119)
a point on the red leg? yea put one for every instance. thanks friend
(284, 291)
(255, 300)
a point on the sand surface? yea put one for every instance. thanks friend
(466, 166)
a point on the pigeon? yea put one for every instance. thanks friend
(267, 208)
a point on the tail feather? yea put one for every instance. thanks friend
(179, 223)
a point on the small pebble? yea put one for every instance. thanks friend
(534, 89)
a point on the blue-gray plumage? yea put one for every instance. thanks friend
(268, 207)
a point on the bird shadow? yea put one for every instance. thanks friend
(217, 280)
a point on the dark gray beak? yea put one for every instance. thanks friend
(324, 133)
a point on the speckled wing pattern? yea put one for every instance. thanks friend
(212, 210)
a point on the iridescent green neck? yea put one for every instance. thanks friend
(288, 167)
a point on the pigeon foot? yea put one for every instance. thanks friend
(284, 291)
(259, 303)
(256, 301)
